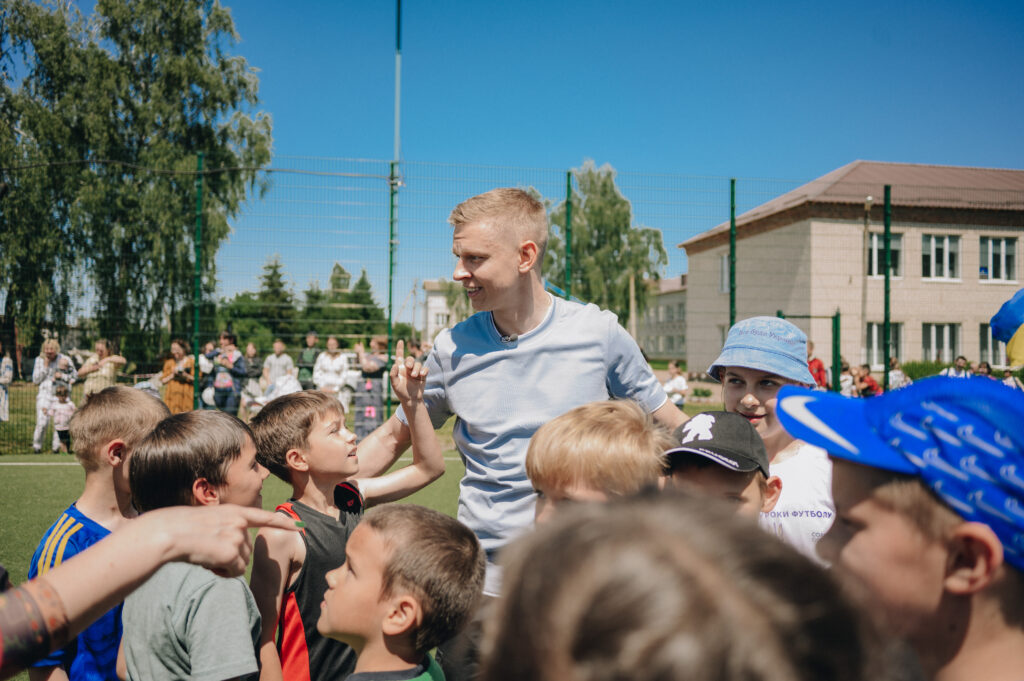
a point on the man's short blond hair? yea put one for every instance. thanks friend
(114, 413)
(613, 446)
(512, 210)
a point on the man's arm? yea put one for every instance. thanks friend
(274, 553)
(670, 416)
(47, 674)
(381, 448)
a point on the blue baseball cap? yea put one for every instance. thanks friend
(963, 439)
(767, 344)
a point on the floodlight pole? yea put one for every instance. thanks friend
(197, 238)
(886, 326)
(393, 200)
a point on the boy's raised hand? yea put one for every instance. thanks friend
(408, 377)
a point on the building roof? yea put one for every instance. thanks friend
(432, 285)
(668, 285)
(917, 189)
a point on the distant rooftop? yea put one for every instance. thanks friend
(842, 193)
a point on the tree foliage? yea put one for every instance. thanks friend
(607, 248)
(146, 84)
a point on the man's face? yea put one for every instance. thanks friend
(278, 347)
(961, 362)
(353, 610)
(752, 394)
(243, 483)
(551, 498)
(881, 556)
(487, 265)
(311, 340)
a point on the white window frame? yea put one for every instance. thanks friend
(874, 334)
(943, 240)
(1008, 245)
(876, 255)
(989, 349)
(930, 334)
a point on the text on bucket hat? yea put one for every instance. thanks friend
(962, 438)
(767, 344)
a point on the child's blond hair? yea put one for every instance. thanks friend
(114, 413)
(614, 446)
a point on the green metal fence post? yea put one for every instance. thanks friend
(392, 242)
(198, 281)
(886, 326)
(732, 252)
(836, 357)
(568, 234)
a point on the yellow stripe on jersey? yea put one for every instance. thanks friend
(59, 557)
(58, 538)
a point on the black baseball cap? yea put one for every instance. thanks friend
(723, 437)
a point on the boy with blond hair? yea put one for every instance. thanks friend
(929, 530)
(105, 431)
(595, 452)
(412, 578)
(302, 439)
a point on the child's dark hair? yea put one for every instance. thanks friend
(670, 588)
(182, 449)
(682, 461)
(285, 423)
(438, 560)
(61, 391)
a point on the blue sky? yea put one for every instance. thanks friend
(780, 90)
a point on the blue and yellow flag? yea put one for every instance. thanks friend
(1008, 326)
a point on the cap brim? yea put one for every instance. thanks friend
(839, 425)
(720, 459)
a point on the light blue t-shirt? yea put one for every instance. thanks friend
(502, 392)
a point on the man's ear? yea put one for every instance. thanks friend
(975, 556)
(529, 252)
(404, 614)
(296, 459)
(772, 492)
(115, 452)
(204, 493)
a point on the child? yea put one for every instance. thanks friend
(929, 516)
(412, 578)
(106, 430)
(762, 354)
(595, 452)
(669, 588)
(185, 622)
(867, 386)
(302, 439)
(62, 409)
(675, 387)
(721, 455)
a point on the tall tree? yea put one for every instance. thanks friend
(277, 304)
(366, 317)
(607, 248)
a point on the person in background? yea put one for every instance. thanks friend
(51, 369)
(330, 371)
(1012, 381)
(228, 373)
(370, 394)
(307, 360)
(101, 369)
(61, 410)
(6, 377)
(865, 383)
(897, 379)
(984, 369)
(816, 367)
(847, 383)
(251, 388)
(958, 370)
(675, 387)
(179, 377)
(277, 365)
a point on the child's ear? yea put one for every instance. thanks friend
(772, 492)
(975, 556)
(204, 493)
(404, 615)
(115, 452)
(296, 459)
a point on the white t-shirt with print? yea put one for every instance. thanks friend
(805, 510)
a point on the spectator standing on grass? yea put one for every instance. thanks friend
(330, 370)
(228, 373)
(179, 376)
(370, 393)
(984, 370)
(307, 360)
(277, 365)
(50, 370)
(61, 410)
(253, 373)
(675, 387)
(897, 379)
(816, 367)
(1012, 381)
(101, 369)
(6, 376)
(958, 370)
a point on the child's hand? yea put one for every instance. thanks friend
(408, 377)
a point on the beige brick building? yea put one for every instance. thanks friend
(661, 331)
(956, 255)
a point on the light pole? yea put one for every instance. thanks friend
(868, 201)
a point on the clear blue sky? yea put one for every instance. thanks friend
(751, 89)
(746, 89)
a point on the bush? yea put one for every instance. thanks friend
(918, 370)
(701, 392)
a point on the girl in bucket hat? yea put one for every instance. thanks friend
(762, 354)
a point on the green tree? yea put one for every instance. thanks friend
(277, 304)
(365, 316)
(607, 248)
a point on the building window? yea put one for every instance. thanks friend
(998, 259)
(441, 319)
(723, 271)
(876, 343)
(681, 311)
(669, 313)
(671, 343)
(940, 342)
(876, 254)
(940, 256)
(992, 351)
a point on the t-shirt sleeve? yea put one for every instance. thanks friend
(218, 634)
(435, 396)
(56, 546)
(629, 374)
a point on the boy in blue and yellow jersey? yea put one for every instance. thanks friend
(302, 439)
(104, 431)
